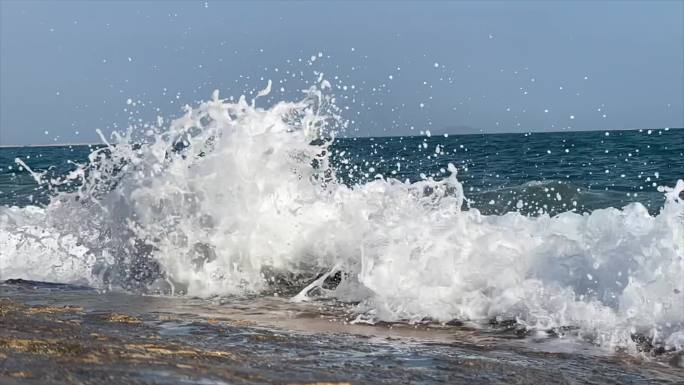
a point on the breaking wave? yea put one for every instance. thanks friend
(234, 199)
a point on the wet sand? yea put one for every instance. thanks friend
(57, 334)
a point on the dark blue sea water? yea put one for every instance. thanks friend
(531, 173)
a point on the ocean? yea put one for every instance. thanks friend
(596, 169)
(258, 234)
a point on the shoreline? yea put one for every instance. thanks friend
(59, 334)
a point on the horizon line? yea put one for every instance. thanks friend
(379, 136)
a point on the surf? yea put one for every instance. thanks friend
(237, 199)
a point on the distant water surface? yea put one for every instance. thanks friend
(586, 170)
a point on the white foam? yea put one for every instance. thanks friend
(230, 189)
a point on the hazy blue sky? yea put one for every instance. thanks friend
(67, 68)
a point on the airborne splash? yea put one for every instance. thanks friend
(237, 199)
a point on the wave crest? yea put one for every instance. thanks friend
(235, 199)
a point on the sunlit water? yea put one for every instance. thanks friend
(270, 340)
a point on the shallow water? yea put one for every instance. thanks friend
(54, 334)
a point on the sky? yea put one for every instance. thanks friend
(397, 68)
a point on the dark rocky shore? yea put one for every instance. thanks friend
(55, 334)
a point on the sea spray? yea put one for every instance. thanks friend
(235, 199)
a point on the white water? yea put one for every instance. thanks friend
(242, 198)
